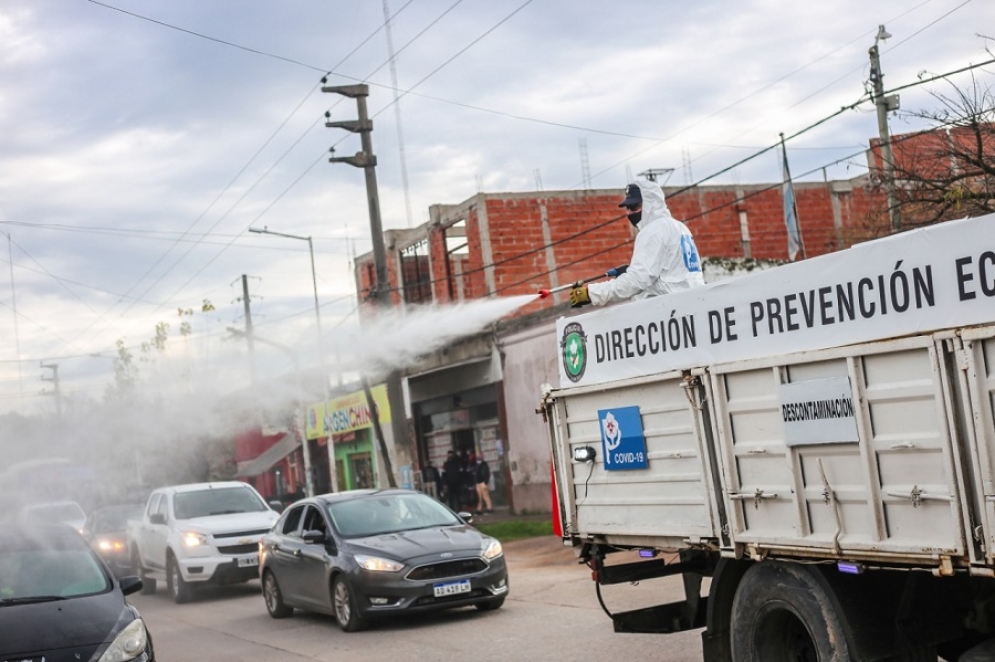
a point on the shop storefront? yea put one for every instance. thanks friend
(458, 409)
(348, 422)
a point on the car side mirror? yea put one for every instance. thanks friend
(276, 505)
(157, 518)
(465, 516)
(314, 537)
(131, 584)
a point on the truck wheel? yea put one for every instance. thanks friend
(179, 589)
(784, 612)
(148, 584)
(344, 602)
(274, 598)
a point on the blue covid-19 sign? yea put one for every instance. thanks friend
(622, 439)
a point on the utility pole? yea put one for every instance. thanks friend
(885, 104)
(248, 329)
(367, 160)
(309, 479)
(13, 299)
(54, 367)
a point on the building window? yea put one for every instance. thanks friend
(416, 275)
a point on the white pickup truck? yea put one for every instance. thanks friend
(199, 533)
(811, 448)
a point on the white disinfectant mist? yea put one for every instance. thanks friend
(396, 338)
(178, 421)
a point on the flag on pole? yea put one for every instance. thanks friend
(790, 210)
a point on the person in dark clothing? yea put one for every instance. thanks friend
(482, 476)
(431, 480)
(452, 471)
(469, 483)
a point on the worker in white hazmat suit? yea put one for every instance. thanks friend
(664, 258)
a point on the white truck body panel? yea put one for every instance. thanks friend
(904, 449)
(978, 358)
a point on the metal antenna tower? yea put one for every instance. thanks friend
(585, 166)
(397, 110)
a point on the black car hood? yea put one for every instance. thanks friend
(76, 624)
(419, 542)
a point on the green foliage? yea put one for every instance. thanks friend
(512, 529)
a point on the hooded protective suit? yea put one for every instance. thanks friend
(664, 258)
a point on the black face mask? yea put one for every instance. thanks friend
(635, 217)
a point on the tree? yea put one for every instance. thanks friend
(945, 172)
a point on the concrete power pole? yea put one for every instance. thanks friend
(885, 104)
(54, 367)
(367, 160)
(248, 328)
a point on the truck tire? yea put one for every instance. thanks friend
(180, 590)
(148, 584)
(785, 611)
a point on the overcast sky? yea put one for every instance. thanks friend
(139, 141)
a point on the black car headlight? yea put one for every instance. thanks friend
(128, 644)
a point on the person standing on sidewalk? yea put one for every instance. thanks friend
(452, 475)
(482, 475)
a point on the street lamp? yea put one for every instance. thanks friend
(324, 376)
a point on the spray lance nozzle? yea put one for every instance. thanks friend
(614, 272)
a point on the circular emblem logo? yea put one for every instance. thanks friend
(573, 349)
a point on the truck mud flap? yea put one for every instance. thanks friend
(688, 614)
(662, 619)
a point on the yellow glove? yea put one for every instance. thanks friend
(579, 297)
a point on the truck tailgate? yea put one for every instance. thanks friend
(666, 504)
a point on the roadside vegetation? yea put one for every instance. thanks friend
(515, 529)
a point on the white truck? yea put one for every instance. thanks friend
(812, 448)
(199, 533)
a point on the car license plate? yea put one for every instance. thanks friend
(248, 561)
(451, 588)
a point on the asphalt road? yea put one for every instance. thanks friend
(551, 613)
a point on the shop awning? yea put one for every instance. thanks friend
(264, 462)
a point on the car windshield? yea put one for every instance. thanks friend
(113, 519)
(221, 501)
(54, 513)
(46, 568)
(376, 514)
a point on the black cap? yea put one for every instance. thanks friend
(633, 196)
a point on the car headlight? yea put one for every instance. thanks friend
(377, 564)
(110, 545)
(128, 644)
(193, 539)
(492, 549)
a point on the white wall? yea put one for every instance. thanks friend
(530, 360)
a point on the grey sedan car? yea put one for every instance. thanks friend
(365, 554)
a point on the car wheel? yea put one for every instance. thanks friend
(344, 602)
(274, 598)
(490, 605)
(148, 584)
(179, 589)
